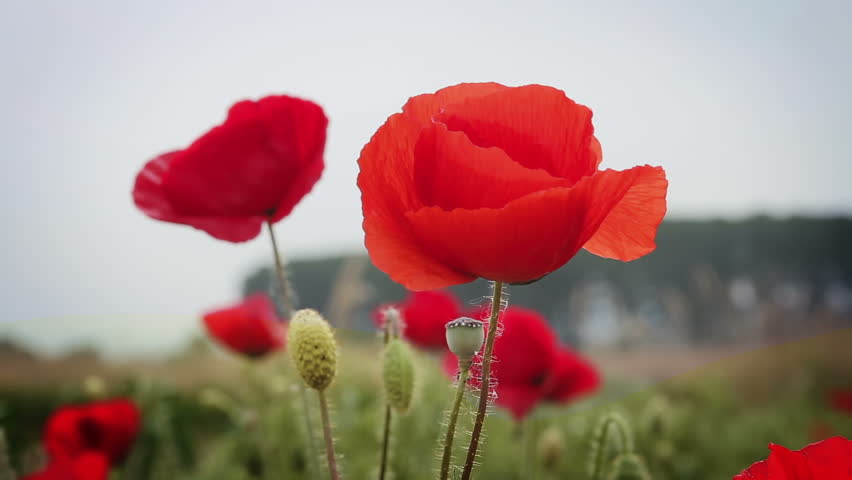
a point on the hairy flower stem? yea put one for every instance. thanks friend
(496, 301)
(454, 415)
(385, 441)
(329, 439)
(287, 302)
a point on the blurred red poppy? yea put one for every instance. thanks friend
(251, 169)
(483, 180)
(251, 327)
(86, 466)
(828, 459)
(530, 367)
(425, 316)
(841, 399)
(108, 427)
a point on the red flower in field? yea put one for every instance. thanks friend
(253, 168)
(483, 180)
(251, 327)
(107, 428)
(828, 459)
(530, 366)
(425, 316)
(86, 466)
(841, 399)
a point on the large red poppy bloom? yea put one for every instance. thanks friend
(253, 168)
(87, 466)
(425, 316)
(530, 367)
(828, 459)
(483, 180)
(107, 427)
(251, 327)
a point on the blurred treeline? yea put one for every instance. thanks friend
(709, 281)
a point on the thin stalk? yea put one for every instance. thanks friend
(287, 303)
(329, 440)
(385, 441)
(496, 300)
(451, 424)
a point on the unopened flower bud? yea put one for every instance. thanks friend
(312, 348)
(464, 337)
(398, 374)
(551, 445)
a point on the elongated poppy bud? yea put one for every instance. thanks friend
(312, 348)
(551, 445)
(464, 337)
(398, 374)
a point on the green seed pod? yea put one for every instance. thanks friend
(628, 466)
(464, 337)
(550, 446)
(398, 373)
(312, 348)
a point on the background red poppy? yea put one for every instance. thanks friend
(425, 316)
(251, 327)
(483, 180)
(253, 168)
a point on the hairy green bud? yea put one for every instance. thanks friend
(551, 445)
(398, 374)
(313, 349)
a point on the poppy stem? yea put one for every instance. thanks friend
(485, 387)
(454, 415)
(391, 330)
(287, 304)
(281, 275)
(385, 441)
(329, 440)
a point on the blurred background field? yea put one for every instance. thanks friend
(733, 339)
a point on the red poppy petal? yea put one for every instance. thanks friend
(62, 437)
(782, 463)
(150, 197)
(387, 191)
(422, 108)
(529, 237)
(425, 316)
(250, 328)
(830, 458)
(538, 126)
(630, 229)
(758, 471)
(572, 376)
(117, 422)
(525, 350)
(451, 172)
(518, 399)
(91, 466)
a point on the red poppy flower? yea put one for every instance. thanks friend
(529, 366)
(425, 316)
(828, 459)
(107, 427)
(841, 399)
(86, 466)
(253, 168)
(251, 327)
(483, 180)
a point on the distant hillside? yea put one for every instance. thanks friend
(704, 280)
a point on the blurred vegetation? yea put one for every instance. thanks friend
(246, 423)
(793, 269)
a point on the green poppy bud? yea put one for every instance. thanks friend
(312, 348)
(464, 337)
(398, 374)
(551, 446)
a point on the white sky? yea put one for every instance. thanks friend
(746, 104)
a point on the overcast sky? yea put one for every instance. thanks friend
(746, 104)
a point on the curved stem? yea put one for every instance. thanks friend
(385, 440)
(287, 303)
(329, 439)
(485, 381)
(281, 275)
(451, 424)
